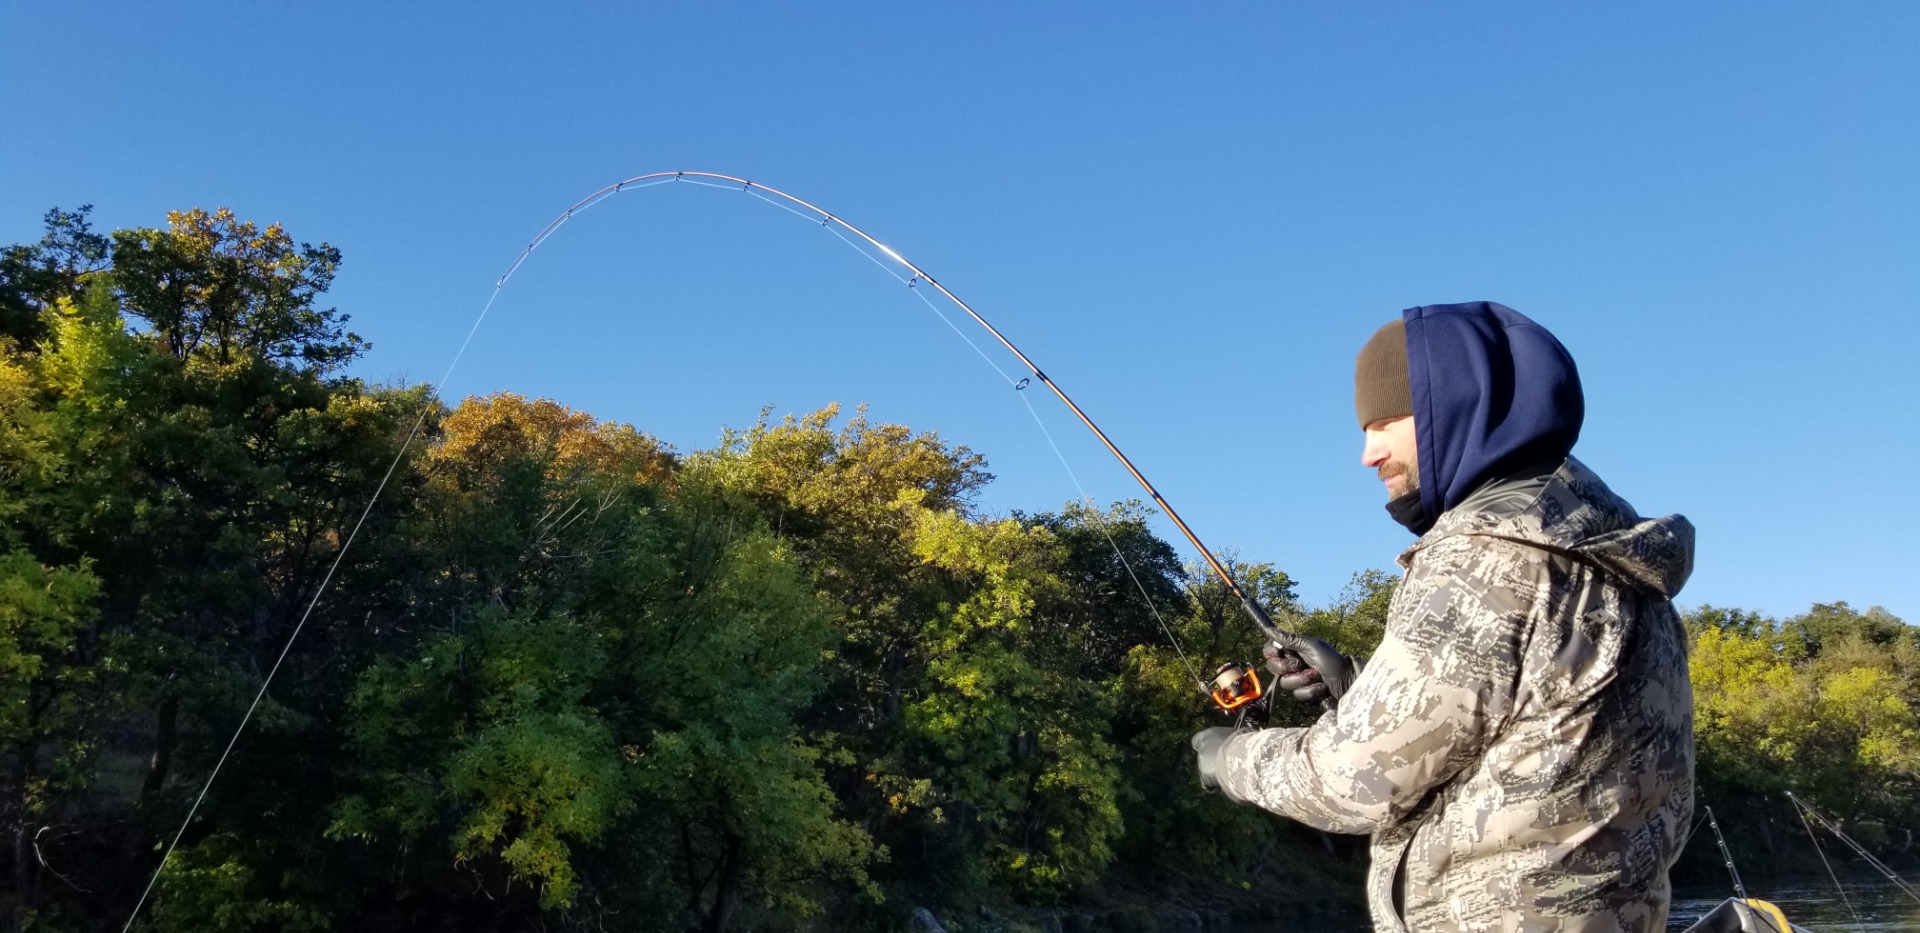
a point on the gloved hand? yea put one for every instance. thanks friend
(1207, 744)
(1310, 669)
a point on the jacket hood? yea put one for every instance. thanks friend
(1492, 393)
(1570, 511)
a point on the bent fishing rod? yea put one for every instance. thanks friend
(1230, 692)
(1234, 687)
(1236, 684)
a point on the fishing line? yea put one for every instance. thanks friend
(1702, 821)
(832, 224)
(840, 229)
(1093, 511)
(399, 455)
(1857, 848)
(914, 283)
(1837, 886)
(1100, 522)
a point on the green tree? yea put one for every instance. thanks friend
(1009, 727)
(206, 492)
(1822, 705)
(47, 701)
(1827, 623)
(613, 667)
(1753, 712)
(1739, 621)
(1124, 582)
(35, 275)
(1357, 620)
(219, 289)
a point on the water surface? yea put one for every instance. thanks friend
(1879, 905)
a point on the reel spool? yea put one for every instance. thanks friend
(1235, 685)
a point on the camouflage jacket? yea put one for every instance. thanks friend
(1521, 745)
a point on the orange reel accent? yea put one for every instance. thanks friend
(1236, 685)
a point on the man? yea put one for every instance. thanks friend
(1521, 745)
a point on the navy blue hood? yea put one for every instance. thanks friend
(1493, 393)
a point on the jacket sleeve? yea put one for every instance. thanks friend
(1425, 706)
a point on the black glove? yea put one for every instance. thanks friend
(1310, 669)
(1207, 744)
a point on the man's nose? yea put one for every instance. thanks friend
(1372, 454)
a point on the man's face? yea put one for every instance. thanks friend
(1392, 451)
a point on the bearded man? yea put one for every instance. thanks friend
(1520, 747)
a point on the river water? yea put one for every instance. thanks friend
(1880, 906)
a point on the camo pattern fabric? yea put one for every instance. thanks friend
(1521, 745)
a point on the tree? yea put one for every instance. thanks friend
(1356, 621)
(217, 289)
(1753, 712)
(1124, 581)
(1009, 726)
(47, 703)
(205, 491)
(1822, 705)
(1739, 621)
(34, 276)
(612, 665)
(1827, 623)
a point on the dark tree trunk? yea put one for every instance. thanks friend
(139, 829)
(23, 875)
(726, 887)
(1766, 832)
(166, 736)
(689, 858)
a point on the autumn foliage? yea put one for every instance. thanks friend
(568, 677)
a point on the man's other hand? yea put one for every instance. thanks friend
(1207, 745)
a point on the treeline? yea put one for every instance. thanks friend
(1821, 704)
(567, 677)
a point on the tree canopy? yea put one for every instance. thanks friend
(570, 677)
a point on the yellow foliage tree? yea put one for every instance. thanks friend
(485, 431)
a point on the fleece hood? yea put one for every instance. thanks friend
(1493, 393)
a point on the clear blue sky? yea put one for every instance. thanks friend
(1190, 215)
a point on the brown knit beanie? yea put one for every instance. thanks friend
(1381, 388)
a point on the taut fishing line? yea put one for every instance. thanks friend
(894, 264)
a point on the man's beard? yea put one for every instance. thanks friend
(1408, 473)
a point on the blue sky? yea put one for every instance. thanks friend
(1190, 215)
